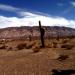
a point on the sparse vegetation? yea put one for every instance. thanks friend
(67, 46)
(29, 46)
(54, 45)
(64, 41)
(36, 48)
(63, 57)
(25, 56)
(21, 46)
(9, 48)
(2, 46)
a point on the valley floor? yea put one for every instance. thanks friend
(30, 59)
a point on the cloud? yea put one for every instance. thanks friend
(27, 14)
(71, 6)
(8, 22)
(31, 19)
(19, 11)
(9, 8)
(72, 3)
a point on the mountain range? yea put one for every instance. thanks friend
(34, 32)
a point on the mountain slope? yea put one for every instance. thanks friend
(26, 32)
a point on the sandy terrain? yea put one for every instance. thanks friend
(30, 59)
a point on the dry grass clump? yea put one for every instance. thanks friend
(51, 44)
(54, 44)
(2, 46)
(29, 45)
(48, 45)
(21, 46)
(66, 40)
(52, 54)
(9, 48)
(36, 48)
(67, 46)
(63, 57)
(1, 42)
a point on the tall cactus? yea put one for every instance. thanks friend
(42, 31)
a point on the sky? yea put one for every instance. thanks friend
(28, 12)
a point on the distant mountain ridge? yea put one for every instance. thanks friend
(33, 32)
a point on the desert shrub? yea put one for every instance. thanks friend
(36, 49)
(64, 41)
(67, 46)
(54, 45)
(9, 48)
(57, 38)
(63, 57)
(1, 42)
(28, 46)
(2, 46)
(21, 46)
(48, 44)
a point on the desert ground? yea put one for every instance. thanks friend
(25, 57)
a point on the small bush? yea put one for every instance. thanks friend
(21, 46)
(36, 49)
(63, 57)
(64, 41)
(48, 45)
(54, 45)
(67, 46)
(30, 45)
(2, 47)
(9, 48)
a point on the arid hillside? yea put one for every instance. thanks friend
(33, 32)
